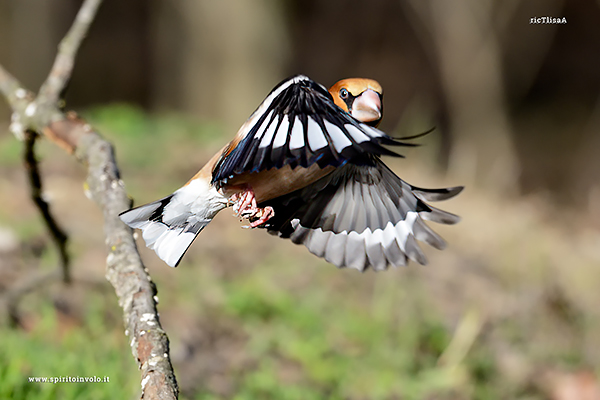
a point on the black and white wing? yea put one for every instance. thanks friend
(298, 124)
(361, 216)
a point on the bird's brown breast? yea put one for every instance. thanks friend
(267, 184)
(276, 182)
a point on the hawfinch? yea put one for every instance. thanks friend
(306, 166)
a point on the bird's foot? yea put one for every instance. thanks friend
(263, 215)
(244, 203)
(245, 206)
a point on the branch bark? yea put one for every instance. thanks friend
(124, 267)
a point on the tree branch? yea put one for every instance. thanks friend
(61, 71)
(18, 98)
(124, 269)
(11, 89)
(59, 237)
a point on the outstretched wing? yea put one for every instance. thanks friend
(361, 216)
(298, 124)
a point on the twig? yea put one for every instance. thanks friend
(124, 267)
(17, 97)
(62, 69)
(9, 87)
(35, 183)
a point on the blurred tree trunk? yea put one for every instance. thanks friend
(24, 46)
(586, 168)
(31, 29)
(227, 56)
(31, 46)
(470, 61)
(4, 28)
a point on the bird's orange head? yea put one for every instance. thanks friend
(360, 97)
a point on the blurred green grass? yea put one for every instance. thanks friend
(251, 316)
(343, 351)
(89, 350)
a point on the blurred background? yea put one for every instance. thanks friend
(510, 310)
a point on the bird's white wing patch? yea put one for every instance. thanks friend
(339, 139)
(267, 138)
(297, 135)
(358, 135)
(316, 136)
(282, 132)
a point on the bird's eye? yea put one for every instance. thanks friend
(344, 93)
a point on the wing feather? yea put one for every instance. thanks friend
(298, 124)
(360, 216)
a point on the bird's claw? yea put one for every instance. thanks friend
(245, 207)
(263, 215)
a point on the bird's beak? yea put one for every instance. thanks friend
(367, 106)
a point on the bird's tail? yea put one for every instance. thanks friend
(168, 226)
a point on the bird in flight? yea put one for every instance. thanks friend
(306, 166)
